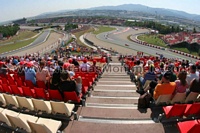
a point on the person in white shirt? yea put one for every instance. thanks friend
(192, 75)
(84, 67)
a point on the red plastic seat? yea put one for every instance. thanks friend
(41, 84)
(1, 89)
(176, 110)
(191, 126)
(71, 96)
(55, 95)
(20, 83)
(29, 84)
(16, 90)
(4, 81)
(6, 89)
(192, 109)
(40, 93)
(11, 81)
(28, 92)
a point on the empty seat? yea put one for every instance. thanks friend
(41, 105)
(55, 95)
(178, 98)
(45, 125)
(176, 110)
(72, 97)
(16, 90)
(6, 89)
(4, 118)
(191, 126)
(11, 100)
(20, 121)
(192, 109)
(163, 99)
(29, 84)
(192, 97)
(2, 99)
(41, 84)
(62, 108)
(28, 92)
(25, 103)
(41, 94)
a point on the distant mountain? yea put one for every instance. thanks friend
(150, 10)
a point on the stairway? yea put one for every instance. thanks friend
(112, 107)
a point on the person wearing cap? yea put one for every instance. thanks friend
(21, 68)
(30, 73)
(84, 67)
(165, 87)
(50, 67)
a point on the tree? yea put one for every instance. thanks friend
(194, 30)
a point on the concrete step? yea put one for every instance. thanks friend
(93, 126)
(115, 94)
(115, 87)
(115, 83)
(90, 100)
(115, 114)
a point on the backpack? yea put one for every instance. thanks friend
(144, 101)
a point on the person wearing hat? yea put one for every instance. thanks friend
(165, 87)
(84, 67)
(30, 73)
(21, 68)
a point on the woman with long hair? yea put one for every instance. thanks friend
(181, 83)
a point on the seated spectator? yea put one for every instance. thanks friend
(30, 73)
(165, 87)
(67, 84)
(192, 74)
(3, 68)
(150, 75)
(181, 83)
(20, 69)
(84, 67)
(137, 69)
(42, 73)
(194, 86)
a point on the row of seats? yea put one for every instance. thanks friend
(36, 106)
(181, 112)
(40, 93)
(28, 123)
(178, 98)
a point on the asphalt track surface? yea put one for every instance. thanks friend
(119, 37)
(42, 38)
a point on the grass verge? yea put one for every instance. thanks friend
(102, 29)
(152, 39)
(21, 36)
(14, 46)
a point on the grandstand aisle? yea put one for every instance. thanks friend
(112, 108)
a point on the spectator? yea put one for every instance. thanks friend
(42, 73)
(56, 76)
(85, 67)
(67, 84)
(181, 83)
(3, 68)
(192, 74)
(30, 73)
(137, 69)
(165, 87)
(194, 86)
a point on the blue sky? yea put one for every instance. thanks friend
(15, 9)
